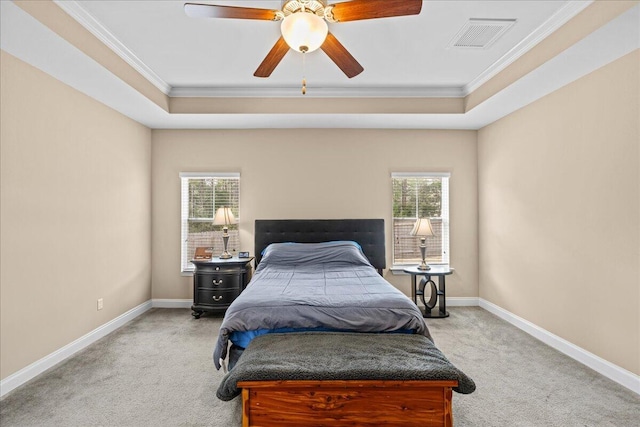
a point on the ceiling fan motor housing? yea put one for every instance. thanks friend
(317, 7)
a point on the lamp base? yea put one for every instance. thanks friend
(424, 267)
(423, 251)
(225, 241)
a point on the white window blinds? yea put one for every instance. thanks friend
(201, 195)
(420, 195)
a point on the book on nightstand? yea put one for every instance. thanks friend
(203, 253)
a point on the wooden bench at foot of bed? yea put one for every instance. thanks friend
(347, 403)
(344, 379)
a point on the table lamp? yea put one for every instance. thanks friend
(224, 217)
(423, 229)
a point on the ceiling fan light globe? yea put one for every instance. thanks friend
(304, 31)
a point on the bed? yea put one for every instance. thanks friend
(320, 275)
(315, 310)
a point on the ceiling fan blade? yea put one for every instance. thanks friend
(369, 9)
(341, 56)
(195, 10)
(273, 58)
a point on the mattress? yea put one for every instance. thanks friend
(317, 286)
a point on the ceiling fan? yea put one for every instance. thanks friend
(304, 25)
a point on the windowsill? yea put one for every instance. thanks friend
(398, 270)
(188, 273)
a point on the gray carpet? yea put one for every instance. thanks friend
(157, 371)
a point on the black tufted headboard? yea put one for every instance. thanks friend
(369, 233)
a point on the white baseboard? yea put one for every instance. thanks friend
(616, 373)
(462, 301)
(456, 302)
(598, 364)
(39, 366)
(172, 303)
(187, 303)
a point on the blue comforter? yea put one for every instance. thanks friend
(327, 286)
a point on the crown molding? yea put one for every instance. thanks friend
(84, 18)
(557, 20)
(318, 92)
(29, 40)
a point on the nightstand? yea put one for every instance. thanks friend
(438, 295)
(218, 282)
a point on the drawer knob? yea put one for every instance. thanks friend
(217, 298)
(217, 268)
(217, 282)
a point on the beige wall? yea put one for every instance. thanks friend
(559, 195)
(75, 214)
(312, 173)
(556, 183)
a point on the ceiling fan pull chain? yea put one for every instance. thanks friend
(304, 78)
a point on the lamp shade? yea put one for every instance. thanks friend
(422, 227)
(304, 31)
(224, 216)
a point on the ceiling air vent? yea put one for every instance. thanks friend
(480, 33)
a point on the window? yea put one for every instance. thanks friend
(202, 195)
(420, 195)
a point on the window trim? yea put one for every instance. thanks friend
(396, 268)
(186, 270)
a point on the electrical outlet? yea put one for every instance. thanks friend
(100, 304)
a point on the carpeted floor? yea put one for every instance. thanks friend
(157, 371)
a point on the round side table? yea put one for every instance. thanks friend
(438, 294)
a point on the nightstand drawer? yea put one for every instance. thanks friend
(218, 281)
(213, 297)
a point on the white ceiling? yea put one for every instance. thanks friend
(403, 56)
(409, 54)
(399, 52)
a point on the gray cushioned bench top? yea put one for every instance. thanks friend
(341, 356)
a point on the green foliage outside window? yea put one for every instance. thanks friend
(206, 195)
(417, 197)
